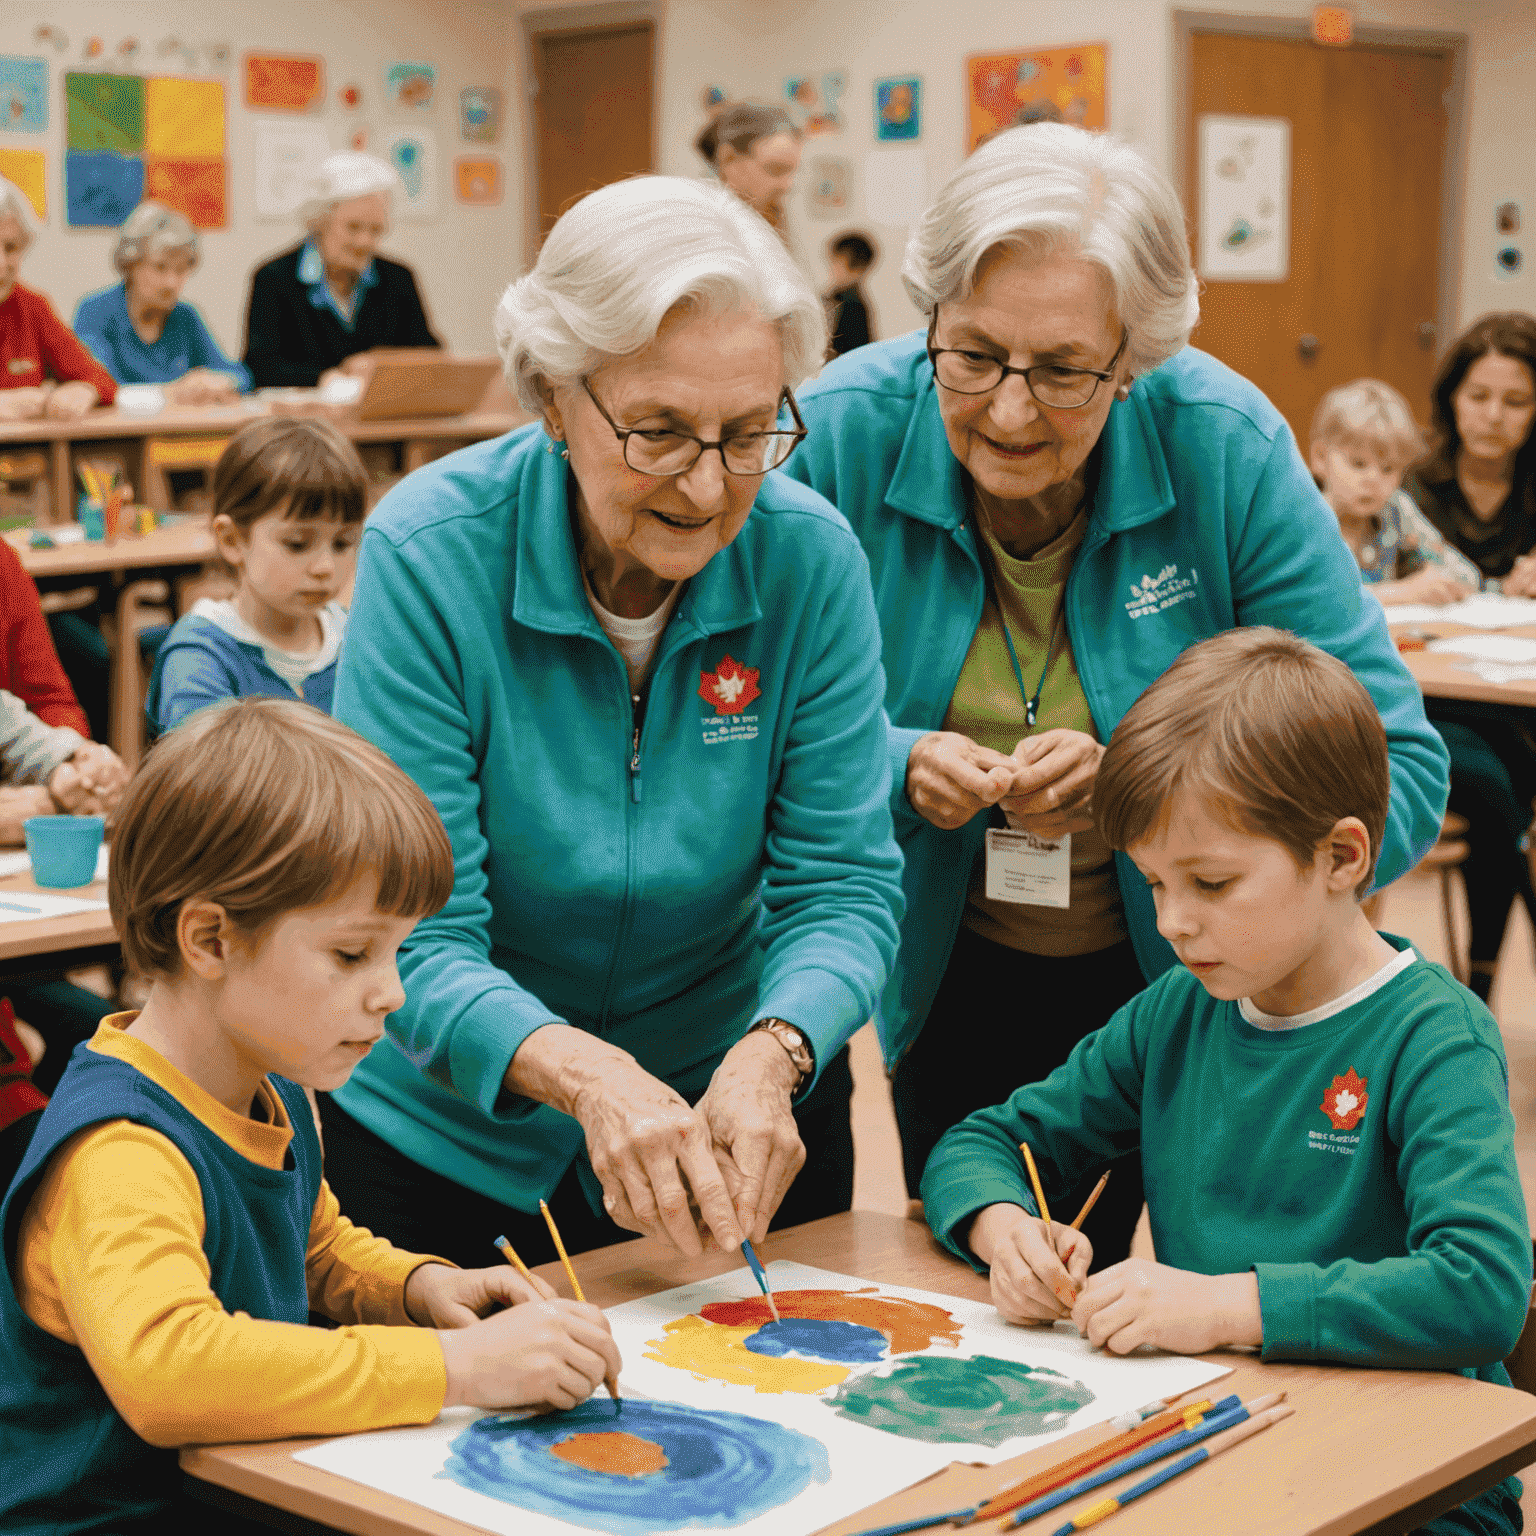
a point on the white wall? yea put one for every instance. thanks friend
(462, 259)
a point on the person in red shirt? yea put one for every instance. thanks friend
(29, 665)
(45, 370)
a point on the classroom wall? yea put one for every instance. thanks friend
(462, 260)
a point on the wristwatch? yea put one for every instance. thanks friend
(795, 1044)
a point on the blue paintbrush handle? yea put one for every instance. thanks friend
(903, 1526)
(1146, 1485)
(756, 1266)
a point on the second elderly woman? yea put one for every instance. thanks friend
(1057, 497)
(638, 673)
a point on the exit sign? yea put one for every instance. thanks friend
(1333, 25)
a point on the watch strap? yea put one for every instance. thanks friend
(797, 1047)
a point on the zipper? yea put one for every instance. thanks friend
(634, 750)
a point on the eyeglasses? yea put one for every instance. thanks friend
(977, 373)
(653, 451)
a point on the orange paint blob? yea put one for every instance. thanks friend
(909, 1325)
(613, 1451)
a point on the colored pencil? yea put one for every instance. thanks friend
(1222, 1442)
(922, 1523)
(570, 1274)
(509, 1253)
(1034, 1179)
(1090, 1202)
(756, 1265)
(1113, 1449)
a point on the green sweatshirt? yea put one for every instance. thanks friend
(1363, 1165)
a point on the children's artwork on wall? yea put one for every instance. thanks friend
(23, 95)
(410, 86)
(27, 171)
(1064, 85)
(814, 101)
(477, 180)
(279, 82)
(480, 114)
(55, 37)
(413, 153)
(287, 155)
(184, 118)
(350, 97)
(101, 188)
(127, 52)
(92, 49)
(194, 188)
(104, 112)
(173, 47)
(732, 1420)
(1245, 198)
(828, 191)
(899, 108)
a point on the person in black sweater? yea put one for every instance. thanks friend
(317, 310)
(852, 255)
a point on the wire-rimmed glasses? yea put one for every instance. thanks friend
(967, 372)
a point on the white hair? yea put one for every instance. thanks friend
(153, 230)
(341, 177)
(15, 204)
(1046, 188)
(619, 261)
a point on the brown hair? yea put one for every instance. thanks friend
(1509, 334)
(741, 125)
(266, 806)
(300, 463)
(1280, 738)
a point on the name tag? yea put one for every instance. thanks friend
(1029, 870)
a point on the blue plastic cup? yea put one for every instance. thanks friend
(63, 849)
(94, 521)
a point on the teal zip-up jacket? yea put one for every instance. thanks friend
(733, 860)
(1204, 518)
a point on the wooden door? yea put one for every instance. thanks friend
(1369, 136)
(592, 111)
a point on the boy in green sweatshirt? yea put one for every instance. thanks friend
(1323, 1116)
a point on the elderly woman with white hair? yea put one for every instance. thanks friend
(1057, 496)
(316, 310)
(140, 328)
(44, 370)
(638, 672)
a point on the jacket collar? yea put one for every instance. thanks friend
(548, 593)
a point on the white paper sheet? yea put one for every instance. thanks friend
(23, 906)
(1245, 198)
(1509, 649)
(287, 155)
(865, 1463)
(1486, 610)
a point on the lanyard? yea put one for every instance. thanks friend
(1031, 703)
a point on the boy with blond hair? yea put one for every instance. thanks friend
(1362, 441)
(1322, 1115)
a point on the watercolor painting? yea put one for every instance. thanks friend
(899, 108)
(23, 95)
(480, 114)
(280, 82)
(1064, 85)
(814, 101)
(410, 86)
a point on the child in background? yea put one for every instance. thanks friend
(170, 1228)
(1323, 1115)
(852, 255)
(289, 498)
(1363, 439)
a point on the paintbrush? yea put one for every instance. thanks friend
(570, 1274)
(1088, 1205)
(756, 1265)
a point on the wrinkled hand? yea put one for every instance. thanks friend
(91, 782)
(554, 1352)
(1032, 1283)
(439, 1296)
(1052, 789)
(70, 401)
(25, 404)
(1429, 585)
(201, 386)
(950, 778)
(1138, 1302)
(1521, 581)
(752, 1128)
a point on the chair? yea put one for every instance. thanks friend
(142, 604)
(1447, 855)
(1521, 1363)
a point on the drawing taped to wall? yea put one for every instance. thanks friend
(284, 82)
(480, 114)
(410, 87)
(413, 153)
(828, 186)
(1245, 198)
(288, 152)
(27, 171)
(477, 180)
(1065, 85)
(23, 95)
(899, 108)
(815, 101)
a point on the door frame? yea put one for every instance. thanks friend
(1292, 28)
(565, 21)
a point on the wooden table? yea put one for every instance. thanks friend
(1377, 1451)
(188, 543)
(1446, 677)
(63, 942)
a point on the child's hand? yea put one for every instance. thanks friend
(1138, 1302)
(1430, 586)
(554, 1352)
(1031, 1284)
(437, 1296)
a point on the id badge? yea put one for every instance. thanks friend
(1029, 870)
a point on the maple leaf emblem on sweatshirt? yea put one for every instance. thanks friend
(730, 687)
(1345, 1101)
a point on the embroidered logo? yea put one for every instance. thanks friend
(730, 687)
(1167, 589)
(1345, 1101)
(23, 365)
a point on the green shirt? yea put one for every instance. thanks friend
(1391, 1231)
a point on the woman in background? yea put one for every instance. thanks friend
(755, 151)
(140, 328)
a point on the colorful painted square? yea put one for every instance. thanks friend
(105, 112)
(101, 189)
(477, 181)
(184, 118)
(279, 82)
(23, 95)
(410, 85)
(194, 188)
(480, 114)
(899, 108)
(1061, 85)
(27, 170)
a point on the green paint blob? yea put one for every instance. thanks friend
(981, 1400)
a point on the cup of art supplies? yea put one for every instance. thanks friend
(63, 849)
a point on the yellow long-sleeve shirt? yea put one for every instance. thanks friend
(110, 1259)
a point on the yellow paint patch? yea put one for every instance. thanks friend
(716, 1352)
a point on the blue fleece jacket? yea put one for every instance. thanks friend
(102, 323)
(731, 859)
(1205, 518)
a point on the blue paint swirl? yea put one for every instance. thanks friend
(723, 1469)
(819, 1338)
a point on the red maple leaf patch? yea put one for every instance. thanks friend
(1345, 1101)
(730, 687)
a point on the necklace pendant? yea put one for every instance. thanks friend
(1029, 715)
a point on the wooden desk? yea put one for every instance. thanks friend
(1445, 677)
(63, 942)
(188, 543)
(1377, 1451)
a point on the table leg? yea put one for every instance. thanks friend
(140, 604)
(63, 474)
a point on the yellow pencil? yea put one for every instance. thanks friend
(509, 1253)
(1090, 1202)
(1034, 1179)
(570, 1274)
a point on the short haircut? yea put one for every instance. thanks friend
(15, 204)
(1371, 414)
(1048, 188)
(153, 230)
(856, 249)
(592, 296)
(741, 124)
(300, 463)
(266, 806)
(341, 177)
(1278, 738)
